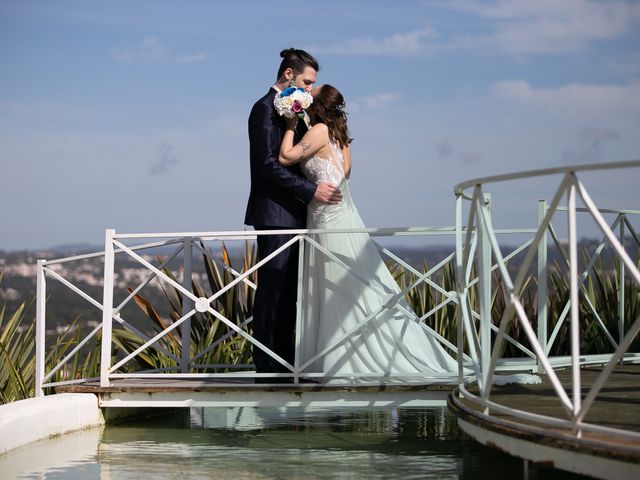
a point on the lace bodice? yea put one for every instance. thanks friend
(327, 170)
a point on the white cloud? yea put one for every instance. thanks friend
(399, 44)
(373, 102)
(381, 99)
(518, 27)
(575, 96)
(550, 26)
(192, 58)
(152, 50)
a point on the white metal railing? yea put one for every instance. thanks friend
(485, 350)
(185, 244)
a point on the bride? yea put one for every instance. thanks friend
(346, 324)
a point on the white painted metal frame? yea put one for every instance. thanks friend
(44, 269)
(115, 244)
(186, 243)
(484, 353)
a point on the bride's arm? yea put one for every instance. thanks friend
(315, 138)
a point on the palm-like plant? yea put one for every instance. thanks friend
(17, 354)
(236, 304)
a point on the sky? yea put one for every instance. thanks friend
(132, 114)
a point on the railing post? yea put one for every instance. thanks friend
(107, 307)
(575, 305)
(41, 331)
(621, 273)
(300, 306)
(542, 284)
(187, 305)
(459, 286)
(484, 274)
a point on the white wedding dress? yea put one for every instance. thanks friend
(336, 300)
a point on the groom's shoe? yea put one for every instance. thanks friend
(273, 380)
(308, 380)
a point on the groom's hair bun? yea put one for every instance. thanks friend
(287, 51)
(296, 60)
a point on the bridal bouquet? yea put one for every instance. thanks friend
(292, 101)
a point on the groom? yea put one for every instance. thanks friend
(278, 200)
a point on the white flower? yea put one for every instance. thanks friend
(284, 101)
(303, 97)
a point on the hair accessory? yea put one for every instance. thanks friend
(340, 108)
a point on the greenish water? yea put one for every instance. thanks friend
(250, 443)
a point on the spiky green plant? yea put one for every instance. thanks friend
(236, 304)
(84, 364)
(17, 354)
(601, 290)
(423, 298)
(600, 293)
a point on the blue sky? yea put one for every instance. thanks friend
(132, 114)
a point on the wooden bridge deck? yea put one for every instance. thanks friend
(599, 454)
(181, 392)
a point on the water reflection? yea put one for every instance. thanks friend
(269, 443)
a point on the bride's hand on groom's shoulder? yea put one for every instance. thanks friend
(327, 193)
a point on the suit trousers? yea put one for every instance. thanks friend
(274, 311)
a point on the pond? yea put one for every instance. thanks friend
(270, 443)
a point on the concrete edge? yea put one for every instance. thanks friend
(33, 419)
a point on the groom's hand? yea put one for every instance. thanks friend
(327, 193)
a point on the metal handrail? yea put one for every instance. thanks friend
(459, 188)
(183, 239)
(484, 352)
(114, 245)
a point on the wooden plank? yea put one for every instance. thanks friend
(146, 385)
(617, 406)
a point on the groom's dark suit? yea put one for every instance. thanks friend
(278, 200)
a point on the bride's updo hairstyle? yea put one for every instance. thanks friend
(296, 60)
(328, 108)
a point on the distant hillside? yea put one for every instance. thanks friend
(63, 306)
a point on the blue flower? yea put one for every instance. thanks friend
(288, 91)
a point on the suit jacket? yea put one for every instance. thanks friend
(279, 195)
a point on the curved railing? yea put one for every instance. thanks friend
(477, 245)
